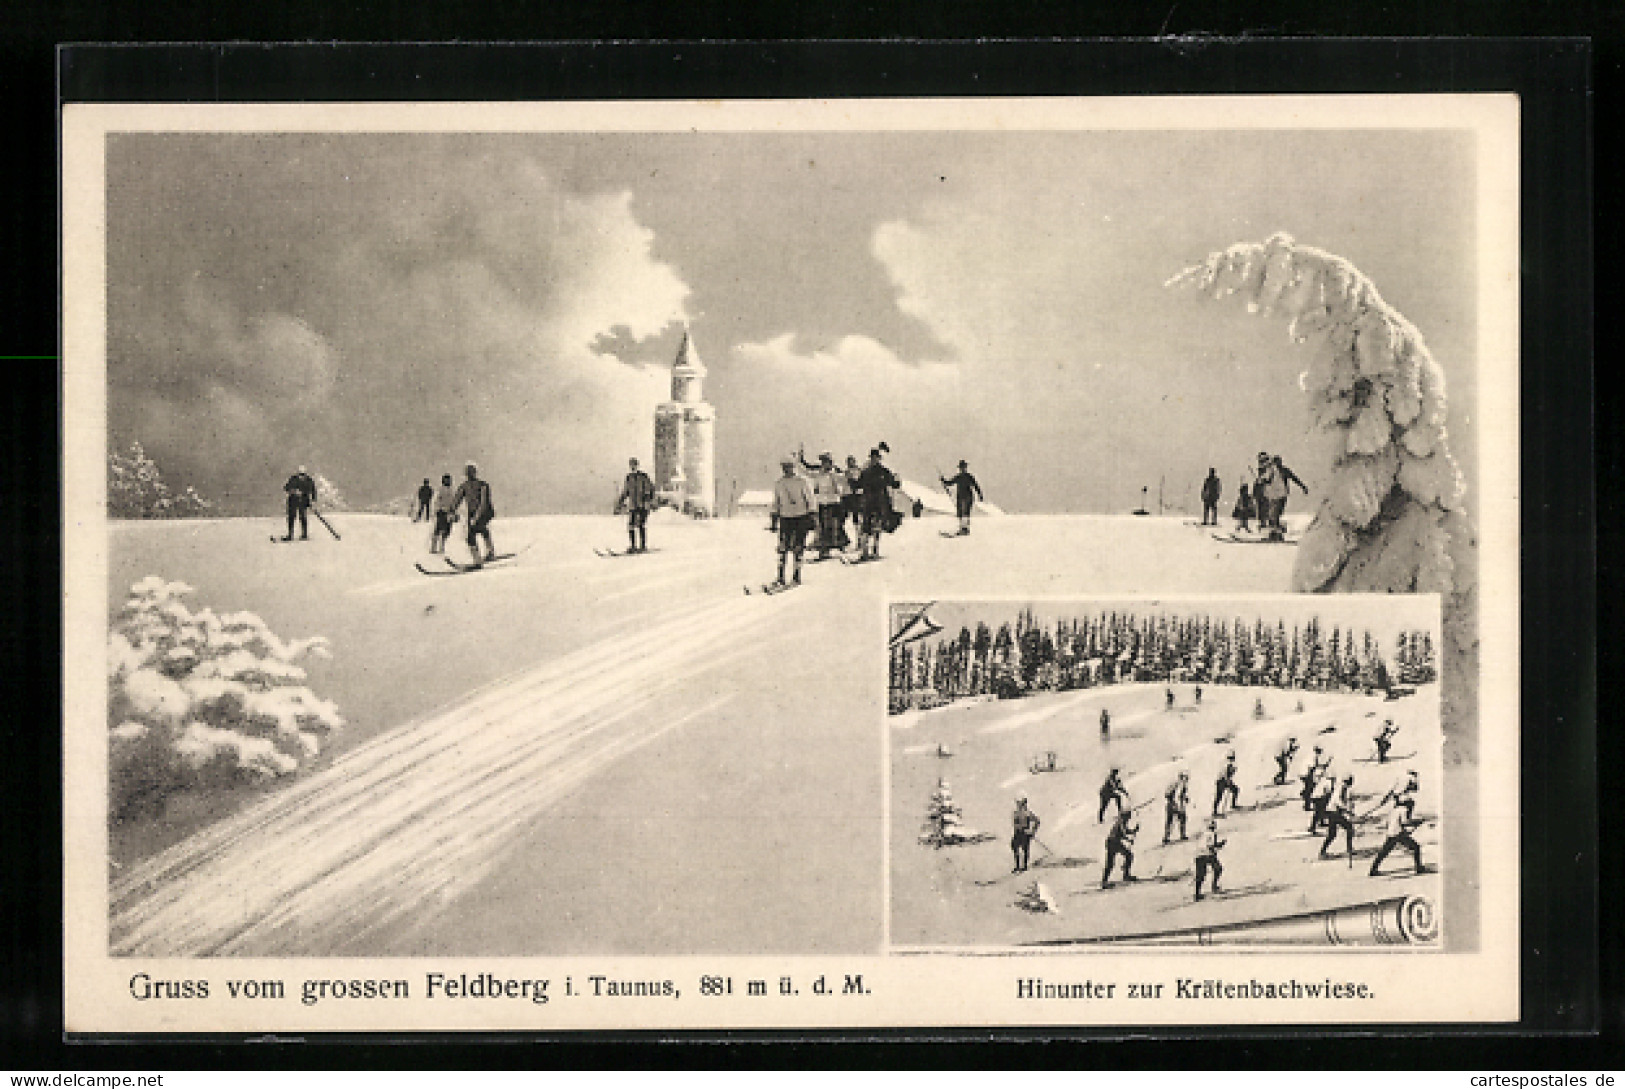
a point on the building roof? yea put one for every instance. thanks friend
(688, 358)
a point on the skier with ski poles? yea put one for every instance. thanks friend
(301, 489)
(876, 484)
(1025, 828)
(1340, 817)
(826, 484)
(425, 497)
(474, 495)
(1283, 761)
(1120, 844)
(963, 485)
(1208, 859)
(1226, 785)
(637, 496)
(1385, 740)
(1176, 801)
(793, 506)
(1112, 790)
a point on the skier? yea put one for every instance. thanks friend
(1317, 765)
(1209, 858)
(1176, 800)
(1120, 844)
(301, 489)
(1226, 785)
(963, 484)
(1243, 511)
(1267, 485)
(1401, 823)
(425, 495)
(1258, 708)
(1112, 790)
(474, 495)
(1198, 695)
(1283, 761)
(637, 496)
(1025, 827)
(1167, 699)
(1341, 818)
(826, 483)
(852, 498)
(1286, 477)
(445, 513)
(1385, 740)
(793, 504)
(876, 484)
(1105, 724)
(1211, 489)
(1322, 801)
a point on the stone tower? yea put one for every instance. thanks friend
(685, 450)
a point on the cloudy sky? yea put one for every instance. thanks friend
(385, 307)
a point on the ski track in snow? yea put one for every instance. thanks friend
(396, 829)
(1027, 718)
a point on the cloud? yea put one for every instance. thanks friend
(382, 320)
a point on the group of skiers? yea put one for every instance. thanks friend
(823, 501)
(1330, 800)
(473, 497)
(1263, 499)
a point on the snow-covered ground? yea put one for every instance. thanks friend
(965, 895)
(574, 753)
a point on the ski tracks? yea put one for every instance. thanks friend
(397, 829)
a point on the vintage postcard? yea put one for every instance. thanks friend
(807, 564)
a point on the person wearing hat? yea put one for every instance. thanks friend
(1285, 479)
(445, 513)
(1401, 823)
(1105, 724)
(1318, 764)
(1208, 860)
(1340, 818)
(1322, 802)
(1175, 801)
(1112, 790)
(1211, 489)
(852, 497)
(964, 488)
(636, 498)
(474, 495)
(425, 497)
(1024, 827)
(826, 485)
(1226, 787)
(793, 507)
(301, 489)
(1266, 481)
(875, 484)
(1385, 740)
(1243, 511)
(1283, 761)
(1120, 844)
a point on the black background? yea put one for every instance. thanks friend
(1572, 998)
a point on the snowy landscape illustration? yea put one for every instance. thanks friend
(504, 533)
(1124, 728)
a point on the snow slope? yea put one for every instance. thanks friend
(582, 754)
(964, 896)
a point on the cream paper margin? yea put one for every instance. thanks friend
(901, 991)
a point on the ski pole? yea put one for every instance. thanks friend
(1044, 845)
(324, 522)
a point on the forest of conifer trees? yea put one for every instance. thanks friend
(1120, 647)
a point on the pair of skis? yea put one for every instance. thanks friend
(288, 540)
(456, 568)
(617, 553)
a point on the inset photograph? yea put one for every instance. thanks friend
(1262, 771)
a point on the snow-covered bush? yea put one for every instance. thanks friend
(195, 698)
(328, 496)
(136, 489)
(1391, 517)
